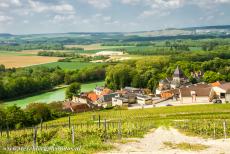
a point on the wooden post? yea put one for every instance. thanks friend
(119, 130)
(46, 126)
(41, 124)
(35, 137)
(225, 133)
(214, 131)
(99, 121)
(93, 117)
(73, 136)
(105, 130)
(69, 123)
(1, 130)
(7, 132)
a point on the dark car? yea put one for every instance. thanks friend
(217, 101)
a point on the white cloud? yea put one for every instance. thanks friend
(61, 18)
(107, 18)
(161, 7)
(25, 21)
(5, 19)
(63, 8)
(131, 2)
(9, 3)
(166, 4)
(100, 4)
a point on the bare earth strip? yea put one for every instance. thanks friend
(153, 143)
(23, 61)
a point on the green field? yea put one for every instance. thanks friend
(71, 65)
(48, 97)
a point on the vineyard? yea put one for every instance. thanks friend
(92, 131)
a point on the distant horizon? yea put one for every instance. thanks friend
(50, 33)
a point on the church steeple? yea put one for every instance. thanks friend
(178, 73)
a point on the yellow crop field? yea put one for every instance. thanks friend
(23, 61)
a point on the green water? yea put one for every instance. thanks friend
(48, 97)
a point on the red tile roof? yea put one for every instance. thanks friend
(106, 91)
(217, 83)
(92, 96)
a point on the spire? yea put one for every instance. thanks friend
(178, 72)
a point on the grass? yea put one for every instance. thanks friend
(73, 65)
(125, 141)
(134, 124)
(185, 146)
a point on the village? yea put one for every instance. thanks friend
(174, 91)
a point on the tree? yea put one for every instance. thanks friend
(119, 76)
(152, 84)
(73, 90)
(15, 116)
(37, 111)
(2, 90)
(2, 68)
(211, 76)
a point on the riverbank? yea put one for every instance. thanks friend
(53, 95)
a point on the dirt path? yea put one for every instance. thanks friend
(153, 143)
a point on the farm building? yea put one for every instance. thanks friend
(144, 100)
(109, 53)
(120, 101)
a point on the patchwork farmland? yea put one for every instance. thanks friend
(24, 61)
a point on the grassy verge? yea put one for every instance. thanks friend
(185, 146)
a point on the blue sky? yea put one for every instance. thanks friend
(54, 16)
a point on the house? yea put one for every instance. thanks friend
(133, 90)
(197, 93)
(219, 91)
(80, 99)
(98, 90)
(75, 107)
(120, 101)
(144, 99)
(106, 100)
(227, 96)
(131, 97)
(106, 91)
(167, 94)
(92, 96)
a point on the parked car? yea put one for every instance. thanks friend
(217, 101)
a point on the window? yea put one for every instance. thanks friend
(222, 95)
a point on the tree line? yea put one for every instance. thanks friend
(20, 82)
(16, 117)
(146, 73)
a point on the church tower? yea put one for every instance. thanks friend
(178, 78)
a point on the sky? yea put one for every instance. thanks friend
(60, 16)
